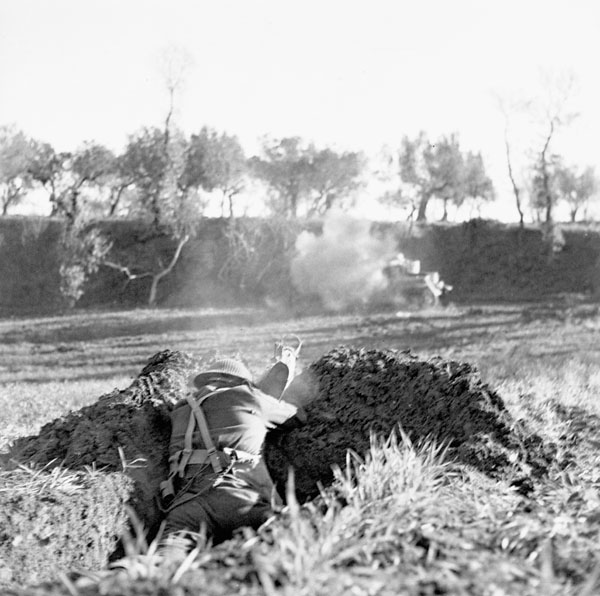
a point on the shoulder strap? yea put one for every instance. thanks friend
(198, 415)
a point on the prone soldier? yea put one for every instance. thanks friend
(218, 478)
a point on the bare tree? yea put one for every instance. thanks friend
(516, 187)
(154, 164)
(547, 112)
(161, 271)
(174, 64)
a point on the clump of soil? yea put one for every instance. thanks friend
(124, 431)
(123, 439)
(362, 391)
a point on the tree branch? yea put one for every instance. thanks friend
(516, 189)
(126, 271)
(169, 268)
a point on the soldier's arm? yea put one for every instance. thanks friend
(280, 414)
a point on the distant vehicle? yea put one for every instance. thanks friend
(408, 286)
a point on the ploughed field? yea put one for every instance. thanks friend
(446, 451)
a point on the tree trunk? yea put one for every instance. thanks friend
(74, 209)
(422, 212)
(158, 276)
(445, 213)
(574, 214)
(116, 199)
(293, 205)
(546, 176)
(153, 290)
(516, 190)
(53, 200)
(155, 209)
(230, 199)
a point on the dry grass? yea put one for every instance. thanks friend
(400, 519)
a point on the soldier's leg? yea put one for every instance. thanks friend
(280, 375)
(190, 516)
(276, 380)
(232, 507)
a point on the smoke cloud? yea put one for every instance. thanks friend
(344, 265)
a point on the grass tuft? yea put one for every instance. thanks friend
(36, 480)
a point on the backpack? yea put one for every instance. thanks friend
(221, 461)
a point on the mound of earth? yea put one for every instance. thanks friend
(348, 394)
(118, 450)
(362, 391)
(124, 431)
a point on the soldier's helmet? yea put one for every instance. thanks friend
(226, 368)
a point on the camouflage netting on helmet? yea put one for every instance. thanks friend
(363, 391)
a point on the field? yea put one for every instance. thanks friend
(413, 523)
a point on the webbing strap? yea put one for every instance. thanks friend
(187, 446)
(200, 456)
(198, 414)
(179, 460)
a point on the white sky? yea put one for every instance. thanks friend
(346, 73)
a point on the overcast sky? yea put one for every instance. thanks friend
(345, 73)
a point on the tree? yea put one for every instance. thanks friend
(304, 178)
(215, 162)
(285, 168)
(478, 186)
(90, 169)
(335, 176)
(575, 188)
(511, 174)
(46, 166)
(174, 65)
(118, 183)
(399, 196)
(83, 249)
(544, 113)
(153, 164)
(441, 171)
(553, 112)
(145, 162)
(508, 109)
(15, 179)
(258, 255)
(71, 178)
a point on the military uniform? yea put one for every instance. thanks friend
(242, 493)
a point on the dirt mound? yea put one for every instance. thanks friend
(120, 446)
(360, 391)
(126, 430)
(124, 437)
